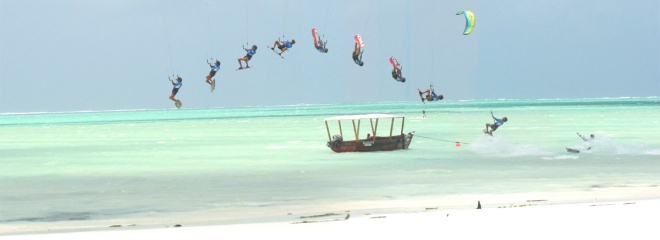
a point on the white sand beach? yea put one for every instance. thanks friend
(602, 220)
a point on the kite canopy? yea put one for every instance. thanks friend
(470, 21)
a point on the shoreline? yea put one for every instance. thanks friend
(349, 212)
(609, 220)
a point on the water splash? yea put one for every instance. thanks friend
(503, 147)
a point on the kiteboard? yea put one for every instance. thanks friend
(358, 40)
(421, 95)
(486, 132)
(178, 104)
(279, 54)
(316, 37)
(244, 68)
(572, 150)
(212, 85)
(394, 62)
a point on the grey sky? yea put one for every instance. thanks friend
(77, 55)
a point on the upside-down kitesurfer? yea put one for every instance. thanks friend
(321, 46)
(357, 55)
(396, 72)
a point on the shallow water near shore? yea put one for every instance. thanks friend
(165, 167)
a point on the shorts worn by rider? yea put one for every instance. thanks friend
(396, 76)
(498, 122)
(320, 48)
(286, 45)
(250, 52)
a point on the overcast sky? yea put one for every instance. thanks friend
(76, 55)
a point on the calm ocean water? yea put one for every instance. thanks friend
(163, 167)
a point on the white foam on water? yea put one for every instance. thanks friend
(606, 145)
(562, 157)
(503, 147)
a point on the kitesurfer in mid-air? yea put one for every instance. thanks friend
(283, 45)
(214, 69)
(430, 95)
(496, 124)
(176, 83)
(357, 55)
(318, 43)
(247, 57)
(397, 75)
(321, 46)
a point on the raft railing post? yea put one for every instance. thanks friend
(403, 137)
(355, 130)
(375, 129)
(391, 128)
(328, 130)
(358, 129)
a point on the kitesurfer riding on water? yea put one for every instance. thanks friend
(589, 141)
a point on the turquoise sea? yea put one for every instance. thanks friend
(82, 170)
